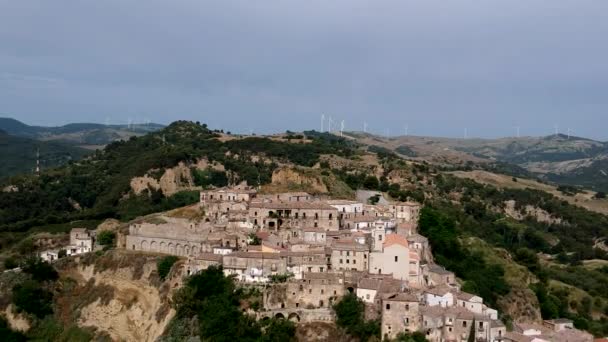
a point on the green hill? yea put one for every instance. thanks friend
(19, 154)
(77, 133)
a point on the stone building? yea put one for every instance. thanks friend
(277, 215)
(393, 258)
(348, 254)
(400, 313)
(202, 262)
(227, 195)
(315, 290)
(175, 236)
(405, 211)
(81, 239)
(312, 261)
(254, 267)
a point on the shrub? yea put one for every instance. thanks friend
(40, 270)
(33, 299)
(165, 264)
(106, 238)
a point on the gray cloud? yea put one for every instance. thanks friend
(439, 66)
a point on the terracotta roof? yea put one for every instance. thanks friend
(292, 205)
(465, 296)
(414, 256)
(369, 284)
(400, 297)
(417, 238)
(254, 255)
(394, 239)
(209, 257)
(438, 269)
(440, 290)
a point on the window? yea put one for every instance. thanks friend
(330, 216)
(388, 306)
(297, 305)
(407, 307)
(354, 261)
(348, 261)
(396, 258)
(364, 256)
(341, 261)
(322, 291)
(380, 237)
(480, 325)
(310, 269)
(464, 324)
(316, 224)
(321, 269)
(310, 291)
(450, 329)
(316, 216)
(367, 296)
(347, 253)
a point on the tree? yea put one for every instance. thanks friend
(254, 240)
(10, 263)
(600, 195)
(278, 330)
(371, 183)
(413, 337)
(7, 334)
(33, 299)
(106, 238)
(471, 337)
(350, 312)
(164, 265)
(40, 270)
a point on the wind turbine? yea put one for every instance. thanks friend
(517, 130)
(341, 127)
(556, 126)
(329, 123)
(569, 130)
(322, 121)
(406, 129)
(364, 127)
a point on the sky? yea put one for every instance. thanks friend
(438, 67)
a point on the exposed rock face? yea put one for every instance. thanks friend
(120, 295)
(16, 321)
(173, 180)
(539, 214)
(522, 305)
(288, 176)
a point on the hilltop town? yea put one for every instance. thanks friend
(307, 252)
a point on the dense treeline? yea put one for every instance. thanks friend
(569, 242)
(481, 278)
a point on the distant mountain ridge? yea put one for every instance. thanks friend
(558, 158)
(19, 154)
(77, 133)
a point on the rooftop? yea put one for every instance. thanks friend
(394, 239)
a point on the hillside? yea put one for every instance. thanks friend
(83, 134)
(557, 158)
(505, 239)
(19, 154)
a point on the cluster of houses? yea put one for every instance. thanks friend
(81, 241)
(310, 251)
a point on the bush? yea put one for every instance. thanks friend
(600, 195)
(10, 263)
(350, 312)
(33, 299)
(165, 264)
(7, 334)
(106, 238)
(40, 270)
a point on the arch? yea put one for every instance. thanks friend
(144, 245)
(162, 246)
(179, 249)
(294, 317)
(265, 318)
(279, 316)
(153, 246)
(351, 289)
(187, 250)
(171, 248)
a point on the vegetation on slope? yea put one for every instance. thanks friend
(214, 303)
(99, 187)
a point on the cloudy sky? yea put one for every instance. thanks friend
(437, 66)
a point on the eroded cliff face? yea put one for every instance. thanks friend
(296, 178)
(172, 180)
(118, 293)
